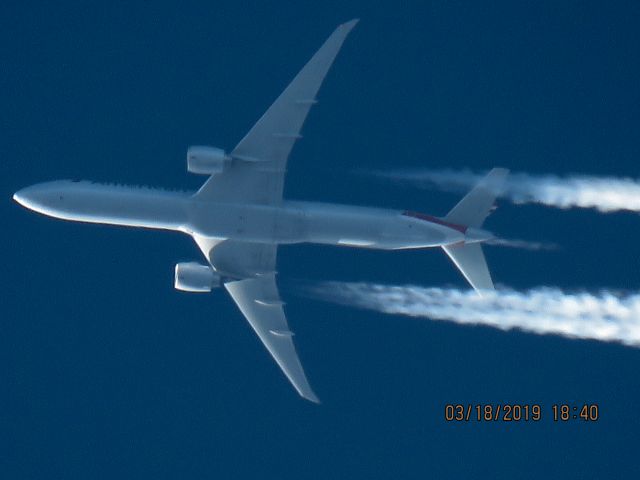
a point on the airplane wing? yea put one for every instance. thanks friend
(260, 303)
(257, 297)
(259, 161)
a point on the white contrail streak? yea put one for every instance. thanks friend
(606, 194)
(607, 316)
(522, 244)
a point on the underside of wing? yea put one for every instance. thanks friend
(258, 163)
(258, 300)
(254, 174)
(250, 270)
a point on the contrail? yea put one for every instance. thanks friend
(606, 194)
(607, 316)
(522, 244)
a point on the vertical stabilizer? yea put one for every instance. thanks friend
(471, 212)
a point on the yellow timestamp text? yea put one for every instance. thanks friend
(516, 412)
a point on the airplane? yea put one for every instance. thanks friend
(239, 217)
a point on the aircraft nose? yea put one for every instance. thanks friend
(34, 197)
(23, 196)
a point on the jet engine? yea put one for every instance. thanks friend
(194, 277)
(204, 160)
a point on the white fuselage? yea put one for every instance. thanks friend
(288, 222)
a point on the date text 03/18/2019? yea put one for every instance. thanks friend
(504, 412)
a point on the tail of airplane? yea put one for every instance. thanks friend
(471, 212)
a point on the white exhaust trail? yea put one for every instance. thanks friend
(606, 194)
(522, 244)
(606, 316)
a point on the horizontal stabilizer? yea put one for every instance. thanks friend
(470, 261)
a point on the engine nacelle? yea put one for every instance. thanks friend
(194, 277)
(204, 160)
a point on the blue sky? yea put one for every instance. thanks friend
(107, 371)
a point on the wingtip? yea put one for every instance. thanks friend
(313, 399)
(499, 171)
(309, 395)
(350, 24)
